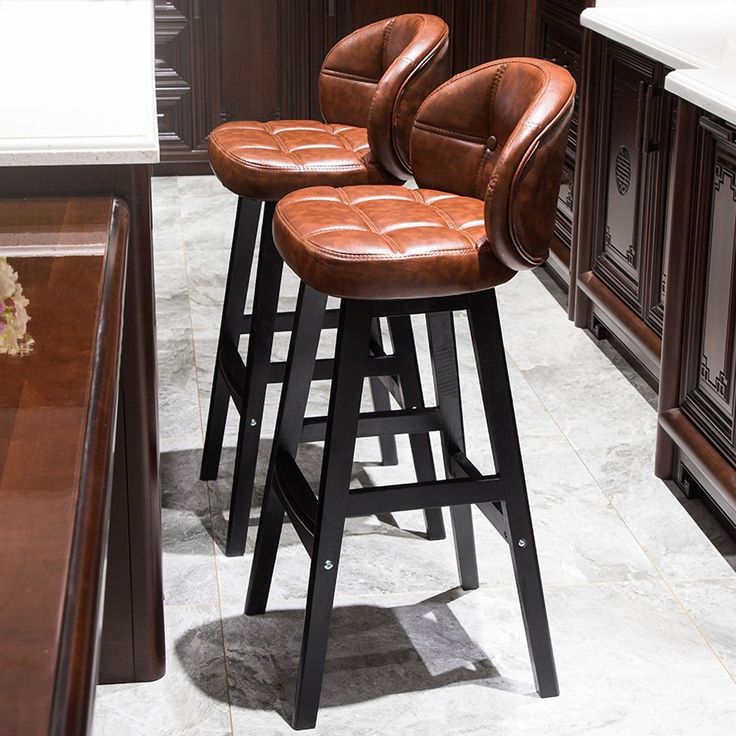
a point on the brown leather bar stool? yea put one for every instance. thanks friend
(487, 150)
(370, 87)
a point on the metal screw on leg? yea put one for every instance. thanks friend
(522, 543)
(253, 422)
(329, 565)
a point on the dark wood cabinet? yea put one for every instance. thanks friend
(219, 60)
(559, 39)
(188, 76)
(621, 256)
(707, 391)
(480, 30)
(697, 440)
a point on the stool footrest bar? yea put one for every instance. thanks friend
(461, 466)
(297, 497)
(410, 496)
(232, 368)
(375, 423)
(285, 321)
(382, 365)
(495, 515)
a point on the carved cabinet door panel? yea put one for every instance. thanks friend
(709, 370)
(188, 74)
(631, 173)
(654, 278)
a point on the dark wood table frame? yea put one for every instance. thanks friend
(132, 646)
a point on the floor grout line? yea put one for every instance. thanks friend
(220, 568)
(206, 484)
(612, 502)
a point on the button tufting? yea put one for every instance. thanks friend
(491, 143)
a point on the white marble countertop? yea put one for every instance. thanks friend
(77, 82)
(713, 90)
(696, 38)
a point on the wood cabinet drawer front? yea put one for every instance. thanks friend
(709, 371)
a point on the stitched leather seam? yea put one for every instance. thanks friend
(442, 215)
(345, 142)
(267, 167)
(419, 68)
(491, 105)
(338, 255)
(358, 257)
(384, 45)
(479, 172)
(383, 68)
(445, 132)
(276, 138)
(367, 220)
(453, 225)
(336, 229)
(349, 76)
(454, 79)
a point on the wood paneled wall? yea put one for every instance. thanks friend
(222, 60)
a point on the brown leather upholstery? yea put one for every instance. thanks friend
(386, 242)
(371, 84)
(268, 160)
(379, 75)
(498, 132)
(487, 150)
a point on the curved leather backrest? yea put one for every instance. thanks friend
(498, 132)
(377, 77)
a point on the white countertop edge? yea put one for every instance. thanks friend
(100, 156)
(136, 105)
(676, 58)
(702, 95)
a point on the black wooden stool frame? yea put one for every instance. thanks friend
(319, 521)
(246, 381)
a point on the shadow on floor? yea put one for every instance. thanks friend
(310, 459)
(373, 652)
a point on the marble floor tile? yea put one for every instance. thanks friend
(207, 218)
(173, 313)
(641, 604)
(457, 663)
(178, 400)
(185, 701)
(712, 606)
(190, 575)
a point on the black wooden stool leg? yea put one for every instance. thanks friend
(402, 336)
(382, 402)
(257, 366)
(295, 393)
(442, 348)
(494, 380)
(350, 366)
(236, 289)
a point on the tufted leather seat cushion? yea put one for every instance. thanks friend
(268, 160)
(387, 242)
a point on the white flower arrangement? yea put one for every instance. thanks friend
(14, 337)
